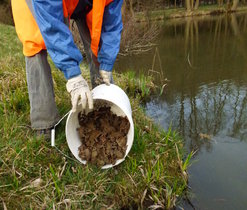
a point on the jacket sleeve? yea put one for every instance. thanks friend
(110, 35)
(57, 36)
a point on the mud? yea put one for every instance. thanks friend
(103, 136)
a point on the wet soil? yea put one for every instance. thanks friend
(103, 136)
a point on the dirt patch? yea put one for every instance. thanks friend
(103, 136)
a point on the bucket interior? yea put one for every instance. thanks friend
(73, 138)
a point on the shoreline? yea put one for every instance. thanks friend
(182, 13)
(155, 15)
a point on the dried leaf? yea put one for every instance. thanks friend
(36, 183)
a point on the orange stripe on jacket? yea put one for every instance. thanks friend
(27, 28)
(29, 33)
(69, 7)
(94, 22)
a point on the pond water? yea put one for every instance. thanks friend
(205, 62)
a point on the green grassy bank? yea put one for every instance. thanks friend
(181, 12)
(33, 175)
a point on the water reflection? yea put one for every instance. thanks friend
(207, 93)
(216, 110)
(205, 60)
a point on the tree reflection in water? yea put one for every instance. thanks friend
(208, 89)
(204, 58)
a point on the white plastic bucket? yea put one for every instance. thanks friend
(116, 98)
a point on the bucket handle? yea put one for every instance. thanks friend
(53, 139)
(53, 129)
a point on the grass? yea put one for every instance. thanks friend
(180, 12)
(33, 175)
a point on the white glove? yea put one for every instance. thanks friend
(106, 76)
(78, 89)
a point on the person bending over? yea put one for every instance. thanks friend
(43, 26)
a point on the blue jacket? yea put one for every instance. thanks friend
(59, 41)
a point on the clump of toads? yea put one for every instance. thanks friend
(103, 136)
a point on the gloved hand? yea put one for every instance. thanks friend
(106, 76)
(78, 89)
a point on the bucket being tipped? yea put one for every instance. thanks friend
(103, 95)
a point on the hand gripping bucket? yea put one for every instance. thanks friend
(112, 96)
